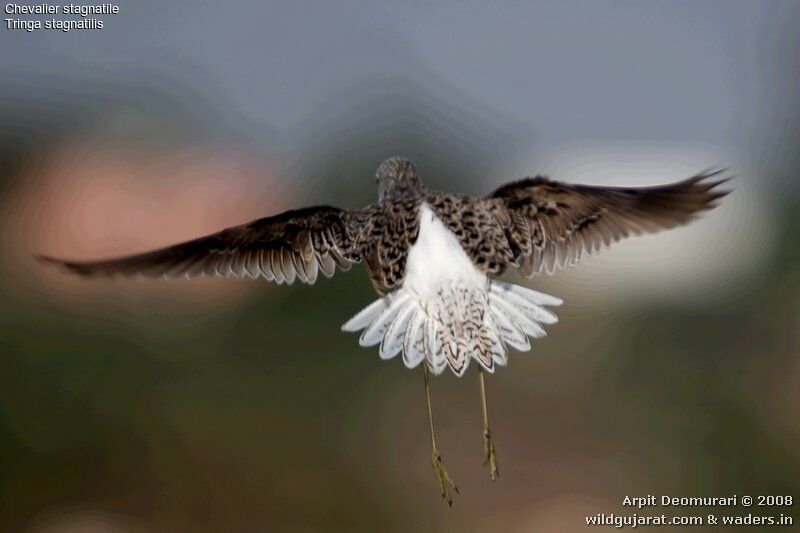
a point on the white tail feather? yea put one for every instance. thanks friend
(365, 317)
(392, 341)
(458, 323)
(374, 333)
(526, 324)
(413, 343)
(499, 355)
(509, 330)
(530, 308)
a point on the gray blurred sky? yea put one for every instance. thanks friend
(717, 72)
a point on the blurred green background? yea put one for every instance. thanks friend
(210, 405)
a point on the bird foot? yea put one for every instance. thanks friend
(491, 457)
(446, 483)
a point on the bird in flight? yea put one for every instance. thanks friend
(434, 259)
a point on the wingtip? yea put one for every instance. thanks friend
(68, 266)
(48, 260)
(721, 174)
(704, 183)
(710, 172)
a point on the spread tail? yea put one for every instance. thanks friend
(458, 323)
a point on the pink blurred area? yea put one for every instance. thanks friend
(86, 201)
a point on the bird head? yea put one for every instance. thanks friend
(396, 175)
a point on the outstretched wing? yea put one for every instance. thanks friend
(550, 224)
(293, 245)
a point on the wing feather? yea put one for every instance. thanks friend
(551, 224)
(292, 245)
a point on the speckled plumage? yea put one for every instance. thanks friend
(533, 224)
(480, 227)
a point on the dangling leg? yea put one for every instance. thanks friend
(488, 444)
(445, 481)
